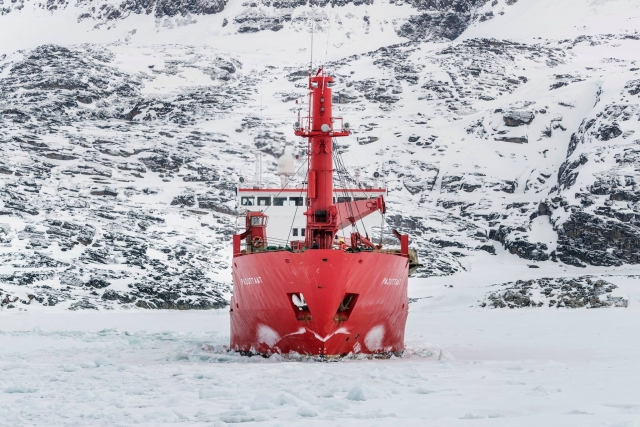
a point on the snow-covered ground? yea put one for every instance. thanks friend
(464, 365)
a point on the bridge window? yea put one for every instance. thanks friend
(344, 199)
(295, 232)
(279, 201)
(296, 201)
(258, 221)
(355, 199)
(247, 201)
(264, 201)
(302, 232)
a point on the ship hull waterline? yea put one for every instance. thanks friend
(356, 303)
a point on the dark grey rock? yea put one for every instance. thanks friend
(98, 283)
(588, 238)
(443, 26)
(607, 132)
(514, 139)
(579, 292)
(184, 200)
(82, 305)
(518, 118)
(519, 246)
(633, 86)
(110, 295)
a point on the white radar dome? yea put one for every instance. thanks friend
(286, 165)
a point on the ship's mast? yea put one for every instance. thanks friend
(322, 221)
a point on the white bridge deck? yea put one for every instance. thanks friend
(285, 208)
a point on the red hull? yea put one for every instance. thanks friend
(265, 320)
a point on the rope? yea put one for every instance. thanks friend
(382, 222)
(312, 30)
(326, 52)
(343, 173)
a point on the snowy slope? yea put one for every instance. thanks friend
(245, 26)
(120, 156)
(527, 20)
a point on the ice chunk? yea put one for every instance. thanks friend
(361, 392)
(285, 399)
(545, 391)
(215, 393)
(307, 397)
(335, 405)
(100, 361)
(470, 416)
(257, 406)
(234, 417)
(161, 417)
(13, 365)
(20, 389)
(307, 411)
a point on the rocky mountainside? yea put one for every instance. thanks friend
(438, 19)
(120, 158)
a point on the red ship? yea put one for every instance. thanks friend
(319, 296)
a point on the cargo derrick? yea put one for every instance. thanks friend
(325, 218)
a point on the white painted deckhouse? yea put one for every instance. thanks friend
(285, 209)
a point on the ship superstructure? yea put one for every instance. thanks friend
(285, 208)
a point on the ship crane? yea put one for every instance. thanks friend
(324, 218)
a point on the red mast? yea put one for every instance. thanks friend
(322, 214)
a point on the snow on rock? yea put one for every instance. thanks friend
(120, 159)
(577, 292)
(444, 24)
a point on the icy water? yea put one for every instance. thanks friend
(465, 365)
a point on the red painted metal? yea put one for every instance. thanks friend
(351, 212)
(317, 299)
(264, 319)
(322, 215)
(404, 243)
